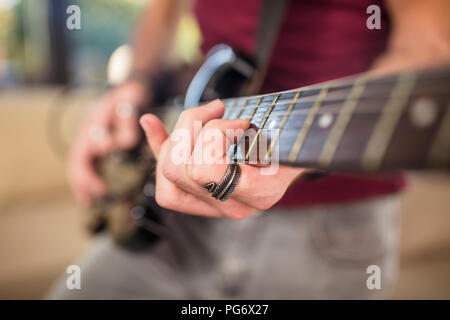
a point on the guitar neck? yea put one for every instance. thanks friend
(362, 123)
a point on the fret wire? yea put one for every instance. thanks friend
(439, 154)
(277, 134)
(237, 117)
(242, 108)
(384, 129)
(307, 124)
(266, 116)
(341, 124)
(255, 109)
(230, 109)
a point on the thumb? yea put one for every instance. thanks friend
(154, 132)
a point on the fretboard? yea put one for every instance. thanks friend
(361, 123)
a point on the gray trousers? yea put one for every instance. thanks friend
(317, 253)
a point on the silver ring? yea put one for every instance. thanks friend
(222, 191)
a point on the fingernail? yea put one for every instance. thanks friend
(144, 125)
(214, 102)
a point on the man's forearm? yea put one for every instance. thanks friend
(154, 34)
(420, 35)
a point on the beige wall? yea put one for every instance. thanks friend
(28, 162)
(42, 230)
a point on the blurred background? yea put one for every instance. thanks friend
(50, 76)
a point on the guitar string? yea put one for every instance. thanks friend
(334, 99)
(349, 82)
(329, 110)
(325, 109)
(289, 128)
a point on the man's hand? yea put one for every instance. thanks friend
(180, 175)
(112, 125)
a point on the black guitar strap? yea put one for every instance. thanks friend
(271, 17)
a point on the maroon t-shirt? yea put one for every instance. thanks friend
(319, 40)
